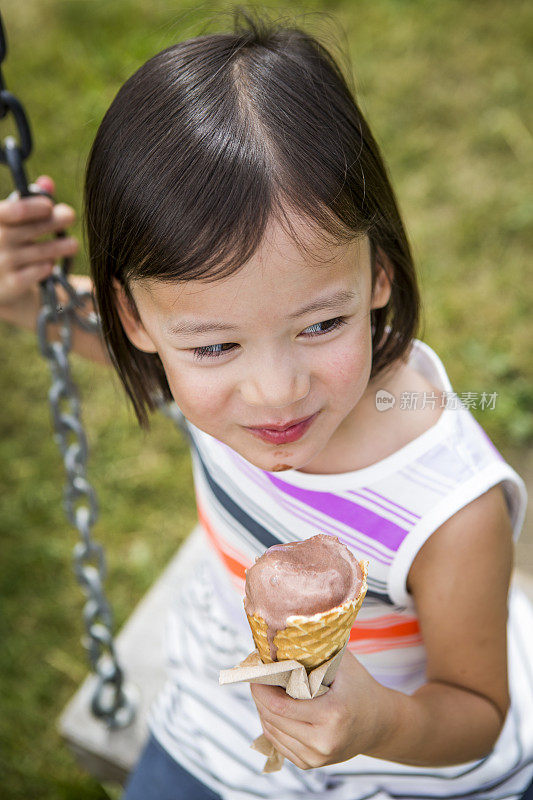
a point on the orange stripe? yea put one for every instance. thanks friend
(234, 566)
(360, 632)
(396, 630)
(381, 647)
(383, 620)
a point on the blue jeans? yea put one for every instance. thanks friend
(158, 777)
(528, 794)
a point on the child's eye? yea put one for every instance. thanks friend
(212, 350)
(216, 350)
(332, 324)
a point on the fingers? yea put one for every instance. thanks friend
(16, 283)
(288, 746)
(16, 210)
(296, 730)
(276, 701)
(28, 229)
(46, 183)
(292, 727)
(28, 255)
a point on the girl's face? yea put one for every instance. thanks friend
(284, 339)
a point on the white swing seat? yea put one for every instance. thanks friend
(110, 755)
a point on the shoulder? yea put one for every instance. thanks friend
(459, 581)
(481, 531)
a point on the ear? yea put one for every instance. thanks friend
(131, 321)
(384, 277)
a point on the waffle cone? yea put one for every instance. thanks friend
(311, 640)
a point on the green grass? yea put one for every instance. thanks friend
(444, 86)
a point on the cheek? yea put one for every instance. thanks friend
(349, 364)
(198, 392)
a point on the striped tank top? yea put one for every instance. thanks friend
(384, 513)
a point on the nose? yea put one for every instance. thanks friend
(275, 382)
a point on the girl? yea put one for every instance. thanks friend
(249, 261)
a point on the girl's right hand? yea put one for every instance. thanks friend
(25, 259)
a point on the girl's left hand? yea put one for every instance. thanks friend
(350, 718)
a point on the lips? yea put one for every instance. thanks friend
(284, 434)
(271, 426)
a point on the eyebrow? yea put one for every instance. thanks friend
(192, 328)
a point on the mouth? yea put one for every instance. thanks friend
(283, 434)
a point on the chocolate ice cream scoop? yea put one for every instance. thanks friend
(300, 578)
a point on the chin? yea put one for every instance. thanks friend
(270, 464)
(275, 462)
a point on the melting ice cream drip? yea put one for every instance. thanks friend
(304, 577)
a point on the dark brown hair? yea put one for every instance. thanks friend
(208, 141)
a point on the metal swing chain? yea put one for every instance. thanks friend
(112, 701)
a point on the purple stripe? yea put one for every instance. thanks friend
(346, 511)
(349, 539)
(375, 502)
(362, 547)
(415, 479)
(418, 470)
(388, 500)
(353, 541)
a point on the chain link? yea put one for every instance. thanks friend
(113, 700)
(80, 503)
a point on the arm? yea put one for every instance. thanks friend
(25, 260)
(459, 581)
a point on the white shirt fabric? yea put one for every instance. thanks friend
(384, 513)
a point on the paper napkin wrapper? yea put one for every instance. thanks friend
(293, 677)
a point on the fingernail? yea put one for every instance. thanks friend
(62, 207)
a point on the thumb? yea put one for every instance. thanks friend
(46, 183)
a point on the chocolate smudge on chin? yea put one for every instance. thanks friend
(280, 468)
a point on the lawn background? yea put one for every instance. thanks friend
(444, 86)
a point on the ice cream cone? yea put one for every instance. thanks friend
(311, 640)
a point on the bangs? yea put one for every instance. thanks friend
(214, 166)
